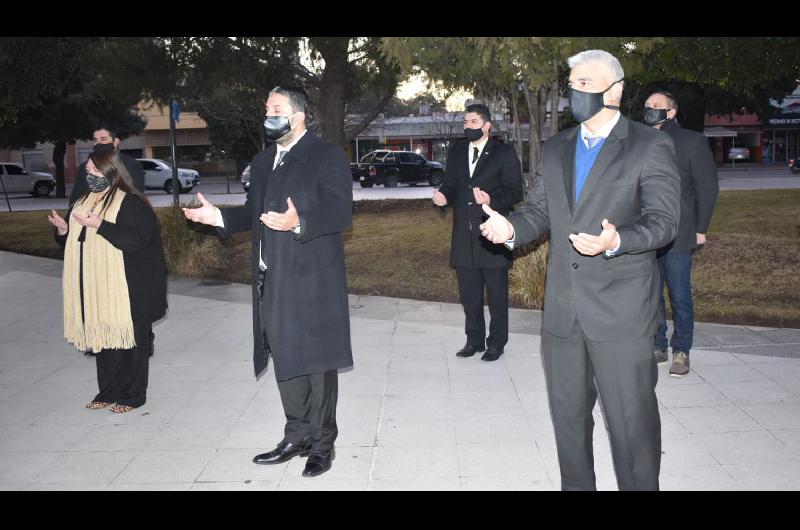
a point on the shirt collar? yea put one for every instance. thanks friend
(603, 132)
(294, 142)
(480, 145)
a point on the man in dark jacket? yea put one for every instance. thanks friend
(106, 138)
(299, 203)
(699, 190)
(480, 171)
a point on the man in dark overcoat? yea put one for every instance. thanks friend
(298, 205)
(480, 171)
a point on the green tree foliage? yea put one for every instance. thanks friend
(719, 75)
(523, 71)
(63, 88)
(227, 80)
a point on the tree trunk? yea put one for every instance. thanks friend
(535, 136)
(332, 97)
(517, 125)
(59, 150)
(554, 98)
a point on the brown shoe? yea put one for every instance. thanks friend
(680, 364)
(661, 356)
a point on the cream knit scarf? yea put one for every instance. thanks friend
(107, 307)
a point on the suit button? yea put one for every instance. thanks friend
(574, 265)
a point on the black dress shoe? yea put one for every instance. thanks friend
(469, 350)
(492, 354)
(319, 462)
(285, 451)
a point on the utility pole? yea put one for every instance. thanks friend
(173, 117)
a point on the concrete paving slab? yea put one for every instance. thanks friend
(150, 466)
(752, 392)
(85, 469)
(723, 418)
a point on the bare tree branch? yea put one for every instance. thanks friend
(349, 136)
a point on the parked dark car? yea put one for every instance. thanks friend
(391, 168)
(794, 165)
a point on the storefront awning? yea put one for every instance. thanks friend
(718, 132)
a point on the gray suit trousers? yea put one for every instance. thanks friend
(625, 374)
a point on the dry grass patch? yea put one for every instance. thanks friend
(747, 274)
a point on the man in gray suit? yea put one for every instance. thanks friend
(601, 298)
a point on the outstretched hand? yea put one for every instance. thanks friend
(207, 213)
(57, 221)
(497, 228)
(91, 219)
(281, 221)
(590, 245)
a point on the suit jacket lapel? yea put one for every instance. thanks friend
(610, 149)
(271, 153)
(462, 170)
(568, 166)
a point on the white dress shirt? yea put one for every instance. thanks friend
(480, 145)
(221, 223)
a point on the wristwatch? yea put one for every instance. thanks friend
(296, 229)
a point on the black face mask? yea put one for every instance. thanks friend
(654, 116)
(276, 126)
(103, 148)
(97, 183)
(473, 135)
(585, 105)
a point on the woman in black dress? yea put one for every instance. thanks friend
(114, 280)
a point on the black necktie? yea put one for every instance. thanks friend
(474, 154)
(281, 154)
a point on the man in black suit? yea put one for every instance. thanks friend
(299, 203)
(699, 191)
(105, 137)
(601, 297)
(480, 171)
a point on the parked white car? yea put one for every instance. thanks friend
(158, 176)
(17, 179)
(739, 153)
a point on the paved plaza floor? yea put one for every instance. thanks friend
(411, 415)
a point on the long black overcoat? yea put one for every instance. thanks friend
(308, 322)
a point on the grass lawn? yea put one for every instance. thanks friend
(748, 272)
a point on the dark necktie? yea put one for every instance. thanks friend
(474, 154)
(281, 154)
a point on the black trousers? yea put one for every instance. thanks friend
(122, 374)
(470, 289)
(625, 373)
(309, 401)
